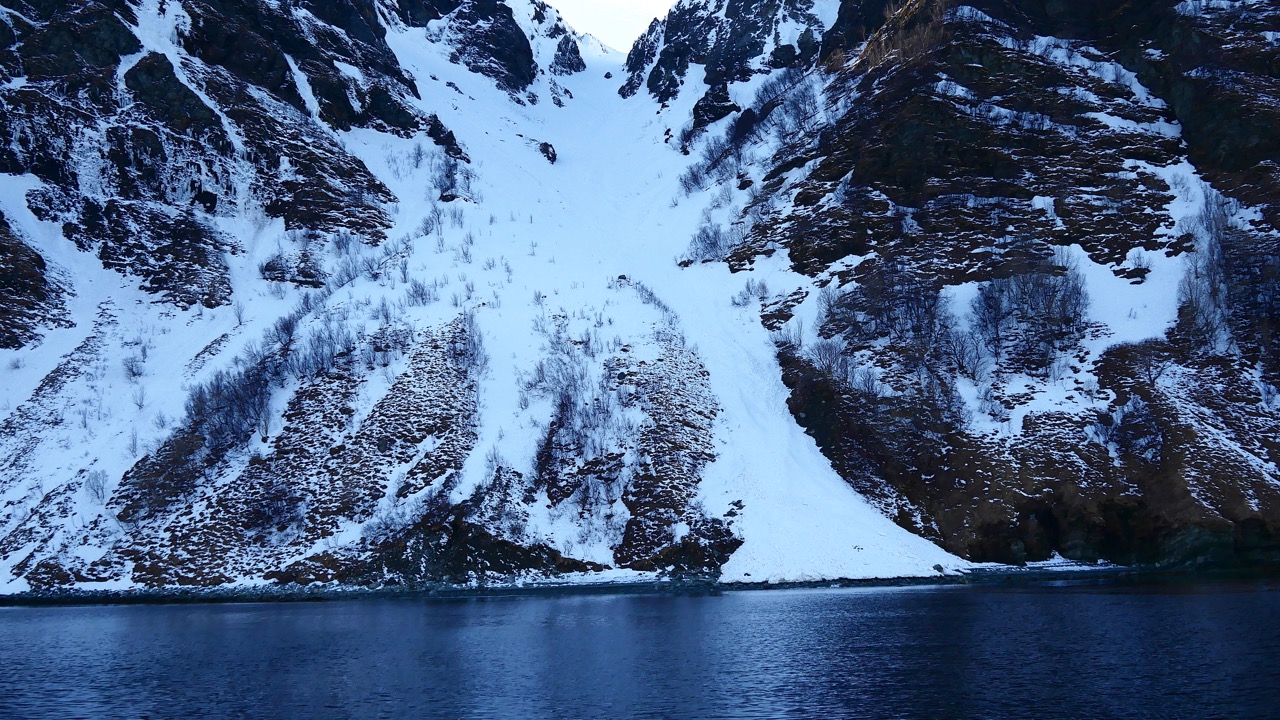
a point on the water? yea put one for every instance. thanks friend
(1098, 651)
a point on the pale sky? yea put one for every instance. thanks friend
(617, 22)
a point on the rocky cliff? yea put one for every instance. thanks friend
(1046, 270)
(403, 292)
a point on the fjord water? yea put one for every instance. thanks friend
(1078, 651)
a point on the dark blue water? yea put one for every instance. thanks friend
(1088, 652)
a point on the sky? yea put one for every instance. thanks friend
(617, 22)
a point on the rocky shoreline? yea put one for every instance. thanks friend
(1043, 576)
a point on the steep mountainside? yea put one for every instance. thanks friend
(395, 292)
(1043, 325)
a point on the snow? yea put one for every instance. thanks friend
(350, 71)
(973, 14)
(1197, 7)
(1132, 312)
(1088, 60)
(563, 233)
(304, 87)
(603, 211)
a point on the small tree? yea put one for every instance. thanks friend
(95, 483)
(133, 367)
(827, 356)
(1202, 296)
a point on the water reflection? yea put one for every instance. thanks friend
(955, 652)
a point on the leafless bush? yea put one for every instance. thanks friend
(827, 356)
(95, 483)
(134, 367)
(967, 353)
(864, 381)
(1037, 313)
(347, 271)
(789, 338)
(1202, 292)
(284, 329)
(322, 348)
(342, 241)
(649, 297)
(230, 405)
(828, 303)
(712, 243)
(421, 293)
(1148, 360)
(1133, 430)
(752, 291)
(912, 29)
(468, 349)
(693, 179)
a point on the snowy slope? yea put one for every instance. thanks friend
(587, 246)
(424, 297)
(603, 211)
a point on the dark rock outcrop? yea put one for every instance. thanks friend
(30, 299)
(641, 56)
(138, 154)
(491, 43)
(417, 13)
(713, 107)
(568, 59)
(985, 136)
(730, 39)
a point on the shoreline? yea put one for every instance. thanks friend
(1011, 577)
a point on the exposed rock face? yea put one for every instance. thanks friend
(29, 297)
(114, 132)
(713, 107)
(324, 470)
(991, 131)
(492, 44)
(568, 59)
(489, 39)
(731, 40)
(641, 57)
(417, 13)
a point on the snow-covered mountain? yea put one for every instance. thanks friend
(404, 291)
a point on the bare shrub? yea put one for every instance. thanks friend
(753, 290)
(421, 293)
(789, 338)
(827, 356)
(95, 483)
(134, 367)
(1203, 292)
(468, 347)
(1035, 314)
(712, 243)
